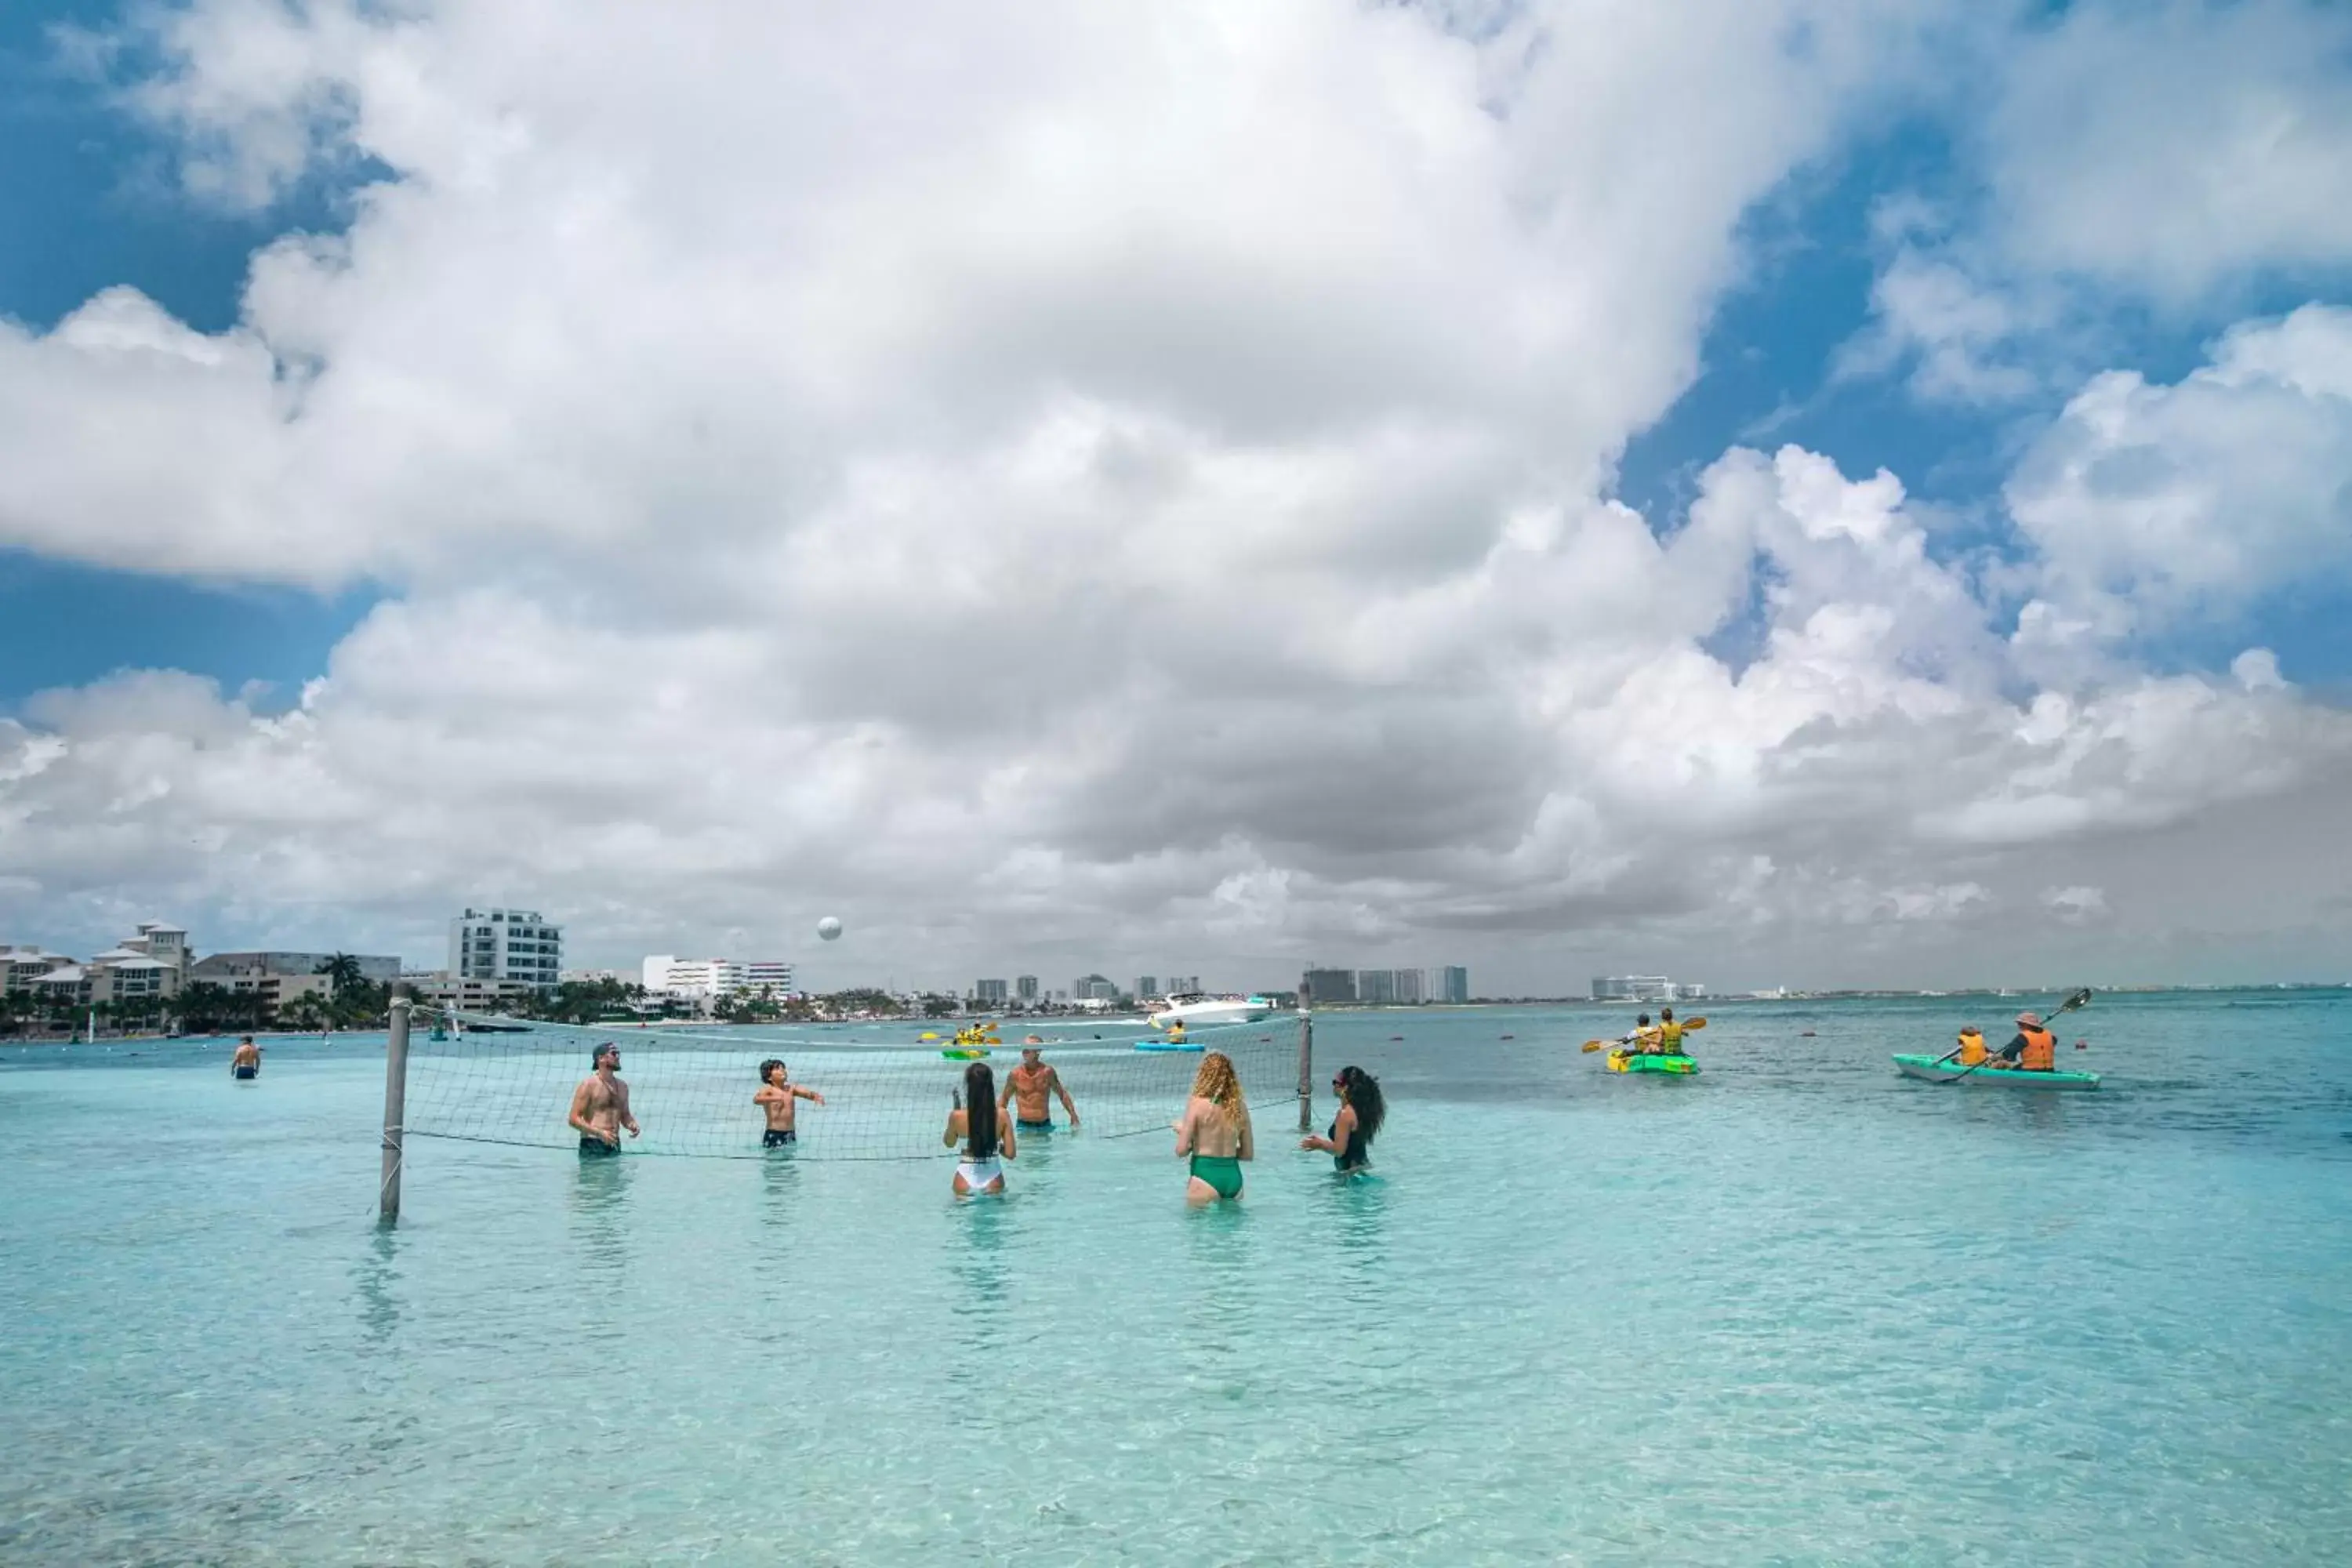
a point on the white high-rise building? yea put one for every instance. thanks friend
(708, 979)
(701, 978)
(516, 947)
(1632, 988)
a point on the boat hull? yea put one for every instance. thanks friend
(1641, 1061)
(1209, 1015)
(1934, 1070)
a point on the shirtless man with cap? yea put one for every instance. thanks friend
(600, 1106)
(1030, 1083)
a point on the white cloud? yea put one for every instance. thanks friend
(2150, 504)
(2123, 160)
(1959, 336)
(1041, 485)
(2170, 148)
(2076, 904)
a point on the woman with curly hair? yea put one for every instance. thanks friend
(1215, 1133)
(1361, 1111)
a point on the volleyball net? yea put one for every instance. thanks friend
(886, 1091)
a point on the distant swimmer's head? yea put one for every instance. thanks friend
(1034, 1040)
(2031, 1020)
(607, 1052)
(1217, 1080)
(772, 1071)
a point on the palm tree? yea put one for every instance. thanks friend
(357, 1001)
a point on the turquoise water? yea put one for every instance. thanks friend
(1797, 1310)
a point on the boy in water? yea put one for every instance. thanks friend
(777, 1095)
(600, 1106)
(246, 1060)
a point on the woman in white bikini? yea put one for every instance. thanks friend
(985, 1135)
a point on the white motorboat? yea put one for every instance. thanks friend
(1192, 1010)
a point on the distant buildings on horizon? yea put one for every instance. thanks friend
(1385, 987)
(1644, 988)
(159, 963)
(714, 979)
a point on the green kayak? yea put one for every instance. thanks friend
(1937, 1070)
(1622, 1060)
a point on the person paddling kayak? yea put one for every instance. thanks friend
(1642, 1038)
(2035, 1048)
(1670, 1034)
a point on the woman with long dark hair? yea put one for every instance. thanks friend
(983, 1134)
(1214, 1134)
(1361, 1111)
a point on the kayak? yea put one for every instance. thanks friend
(1622, 1060)
(1938, 1071)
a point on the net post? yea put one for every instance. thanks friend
(1306, 1060)
(396, 1109)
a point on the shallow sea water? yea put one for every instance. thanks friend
(1797, 1310)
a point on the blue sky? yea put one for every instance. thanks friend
(734, 421)
(89, 204)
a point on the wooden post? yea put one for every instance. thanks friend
(1306, 1060)
(396, 1109)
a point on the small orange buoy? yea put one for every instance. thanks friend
(2081, 1044)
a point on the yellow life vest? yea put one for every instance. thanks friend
(1972, 1050)
(1645, 1038)
(1670, 1037)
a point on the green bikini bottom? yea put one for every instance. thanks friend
(1221, 1171)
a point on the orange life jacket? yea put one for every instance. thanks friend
(2041, 1053)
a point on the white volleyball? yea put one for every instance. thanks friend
(829, 929)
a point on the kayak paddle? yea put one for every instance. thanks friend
(2080, 999)
(1592, 1045)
